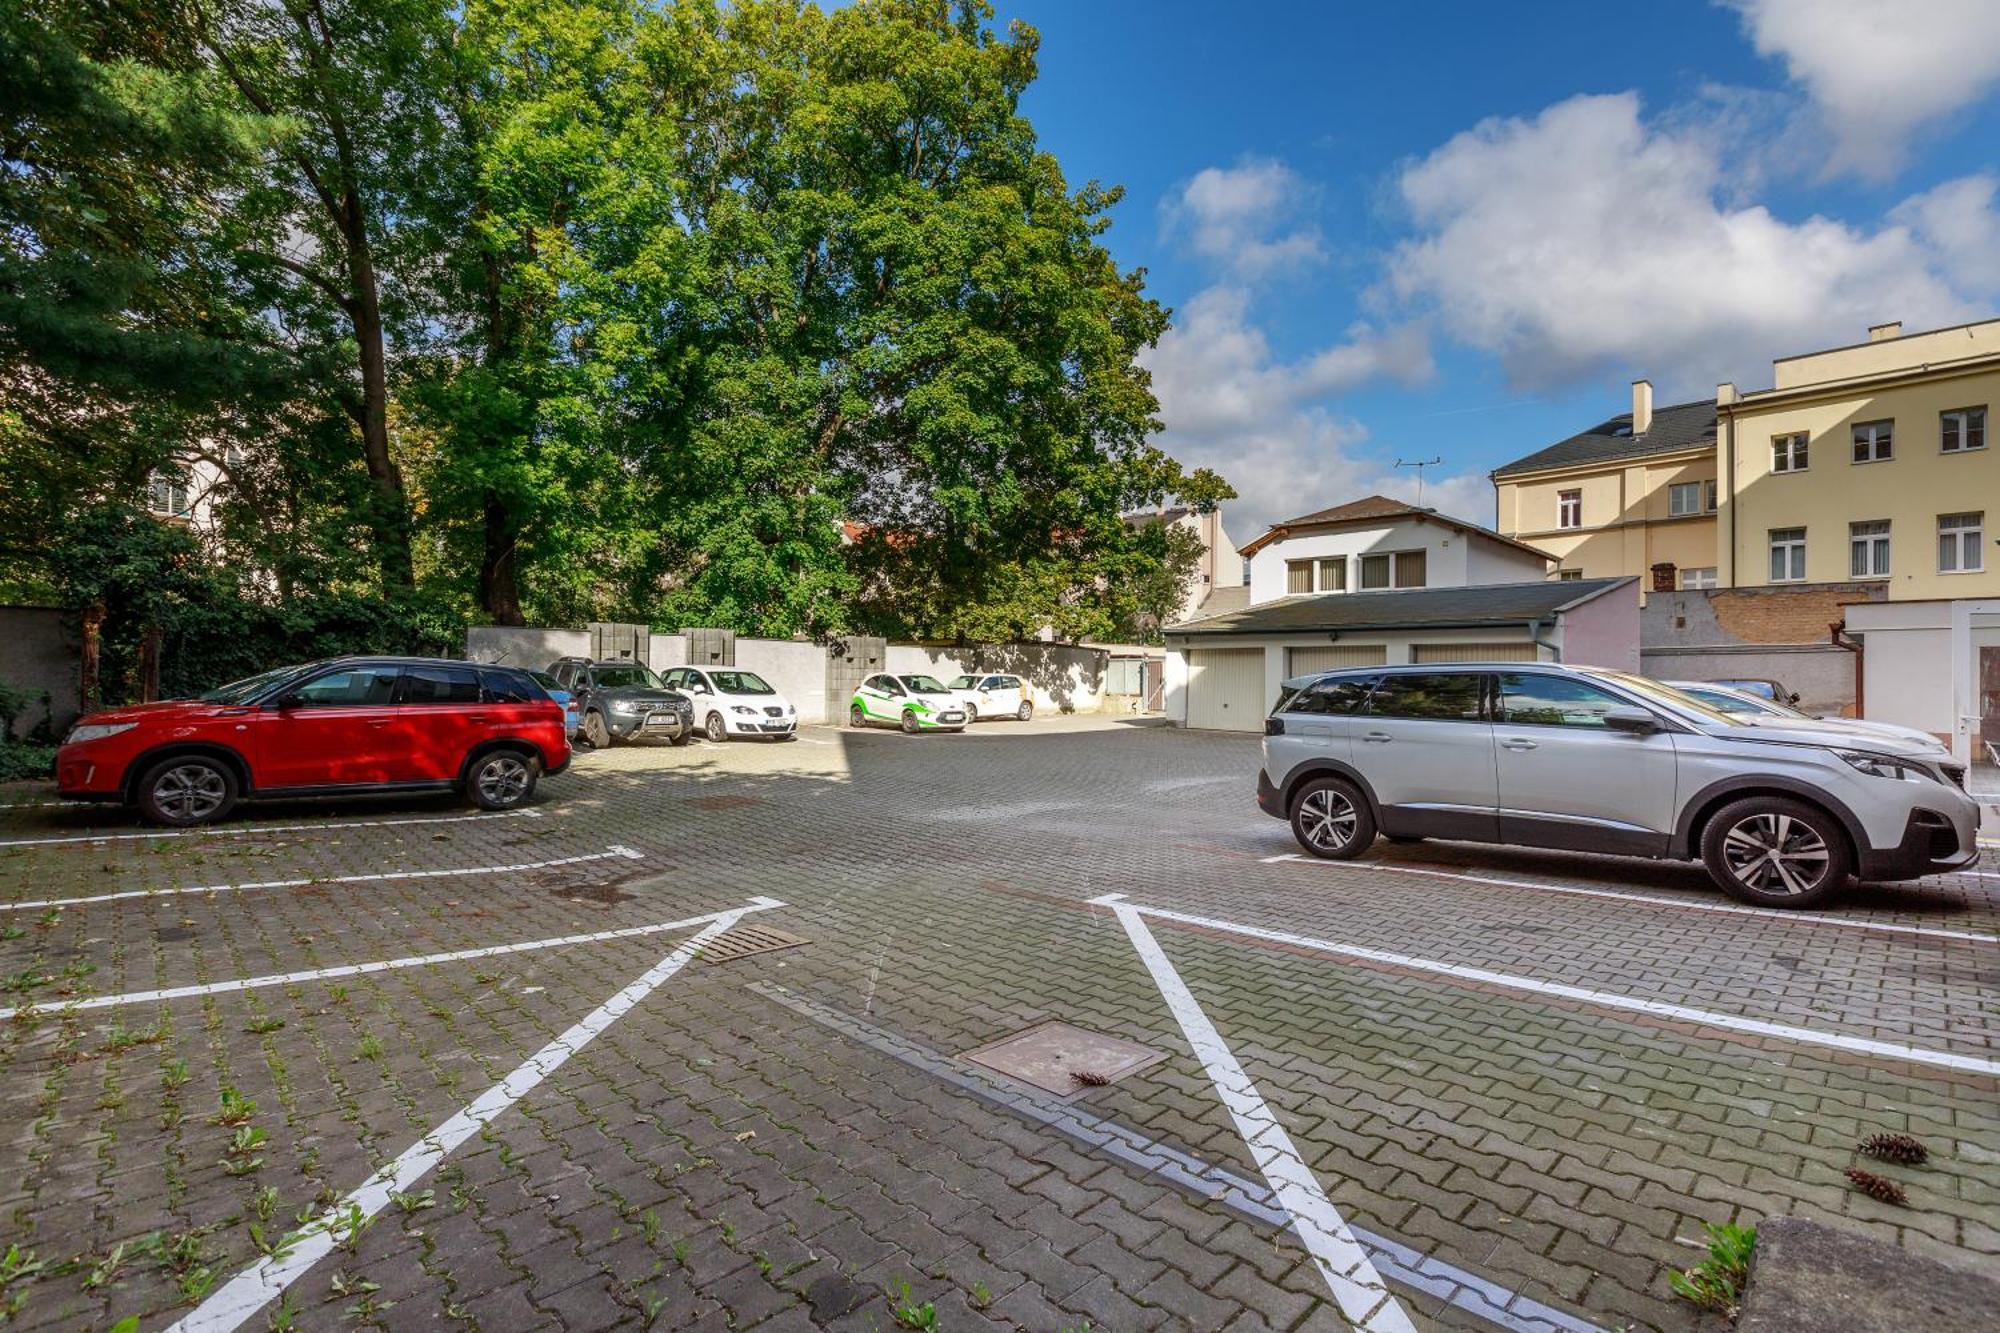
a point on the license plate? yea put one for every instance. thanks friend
(658, 719)
(951, 717)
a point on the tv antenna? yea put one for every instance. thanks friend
(1420, 464)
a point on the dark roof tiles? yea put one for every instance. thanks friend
(1675, 427)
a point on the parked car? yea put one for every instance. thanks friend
(1603, 761)
(728, 702)
(622, 701)
(993, 696)
(1762, 688)
(338, 727)
(1756, 708)
(571, 719)
(914, 703)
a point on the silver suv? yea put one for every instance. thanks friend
(1601, 761)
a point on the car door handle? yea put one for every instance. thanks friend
(1379, 737)
(379, 721)
(1518, 743)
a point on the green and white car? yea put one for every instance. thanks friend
(914, 703)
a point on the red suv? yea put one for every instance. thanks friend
(350, 725)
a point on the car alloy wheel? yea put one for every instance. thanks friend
(1328, 819)
(971, 714)
(1025, 712)
(502, 781)
(189, 793)
(910, 721)
(594, 731)
(718, 731)
(1776, 853)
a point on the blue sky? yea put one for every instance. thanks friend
(1462, 229)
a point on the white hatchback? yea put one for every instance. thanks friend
(991, 696)
(729, 702)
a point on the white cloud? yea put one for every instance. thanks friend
(1242, 218)
(1585, 240)
(1268, 425)
(1877, 70)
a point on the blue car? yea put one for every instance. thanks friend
(561, 696)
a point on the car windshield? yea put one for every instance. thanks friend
(1763, 689)
(625, 676)
(243, 691)
(925, 685)
(964, 682)
(740, 682)
(1744, 705)
(547, 682)
(1660, 692)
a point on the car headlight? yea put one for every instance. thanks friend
(1881, 766)
(97, 731)
(624, 706)
(739, 708)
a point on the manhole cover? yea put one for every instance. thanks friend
(746, 940)
(1064, 1059)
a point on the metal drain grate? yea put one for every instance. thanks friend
(746, 940)
(1065, 1059)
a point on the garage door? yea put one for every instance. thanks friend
(1517, 651)
(1226, 689)
(1305, 661)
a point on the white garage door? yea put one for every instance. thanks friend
(1304, 661)
(1517, 651)
(1226, 689)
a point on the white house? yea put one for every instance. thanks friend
(1378, 582)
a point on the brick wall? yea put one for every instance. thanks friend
(1772, 633)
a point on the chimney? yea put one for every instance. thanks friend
(1642, 406)
(1725, 394)
(1879, 332)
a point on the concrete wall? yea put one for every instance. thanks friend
(524, 647)
(39, 653)
(1604, 631)
(1775, 633)
(1911, 669)
(794, 668)
(668, 650)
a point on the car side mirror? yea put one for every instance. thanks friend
(286, 702)
(1792, 699)
(1636, 721)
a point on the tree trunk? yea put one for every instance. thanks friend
(497, 590)
(391, 519)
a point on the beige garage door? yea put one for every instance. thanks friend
(1305, 661)
(1517, 651)
(1226, 689)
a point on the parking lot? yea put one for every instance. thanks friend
(690, 1043)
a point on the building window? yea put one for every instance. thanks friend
(1298, 577)
(1868, 550)
(1690, 497)
(1394, 569)
(1788, 453)
(1874, 441)
(1961, 543)
(1246, 572)
(1569, 509)
(1702, 577)
(1333, 574)
(167, 494)
(1961, 429)
(1569, 576)
(1788, 555)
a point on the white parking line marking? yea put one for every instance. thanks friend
(232, 830)
(1349, 1272)
(1727, 909)
(255, 1287)
(1606, 999)
(609, 853)
(759, 904)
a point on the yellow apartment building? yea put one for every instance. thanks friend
(1630, 496)
(1868, 463)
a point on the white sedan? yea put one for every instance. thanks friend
(1755, 707)
(991, 696)
(729, 702)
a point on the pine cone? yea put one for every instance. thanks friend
(1876, 1187)
(1895, 1148)
(1088, 1078)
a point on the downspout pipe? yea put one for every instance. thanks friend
(1840, 639)
(1535, 633)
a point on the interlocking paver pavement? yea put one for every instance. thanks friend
(719, 1159)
